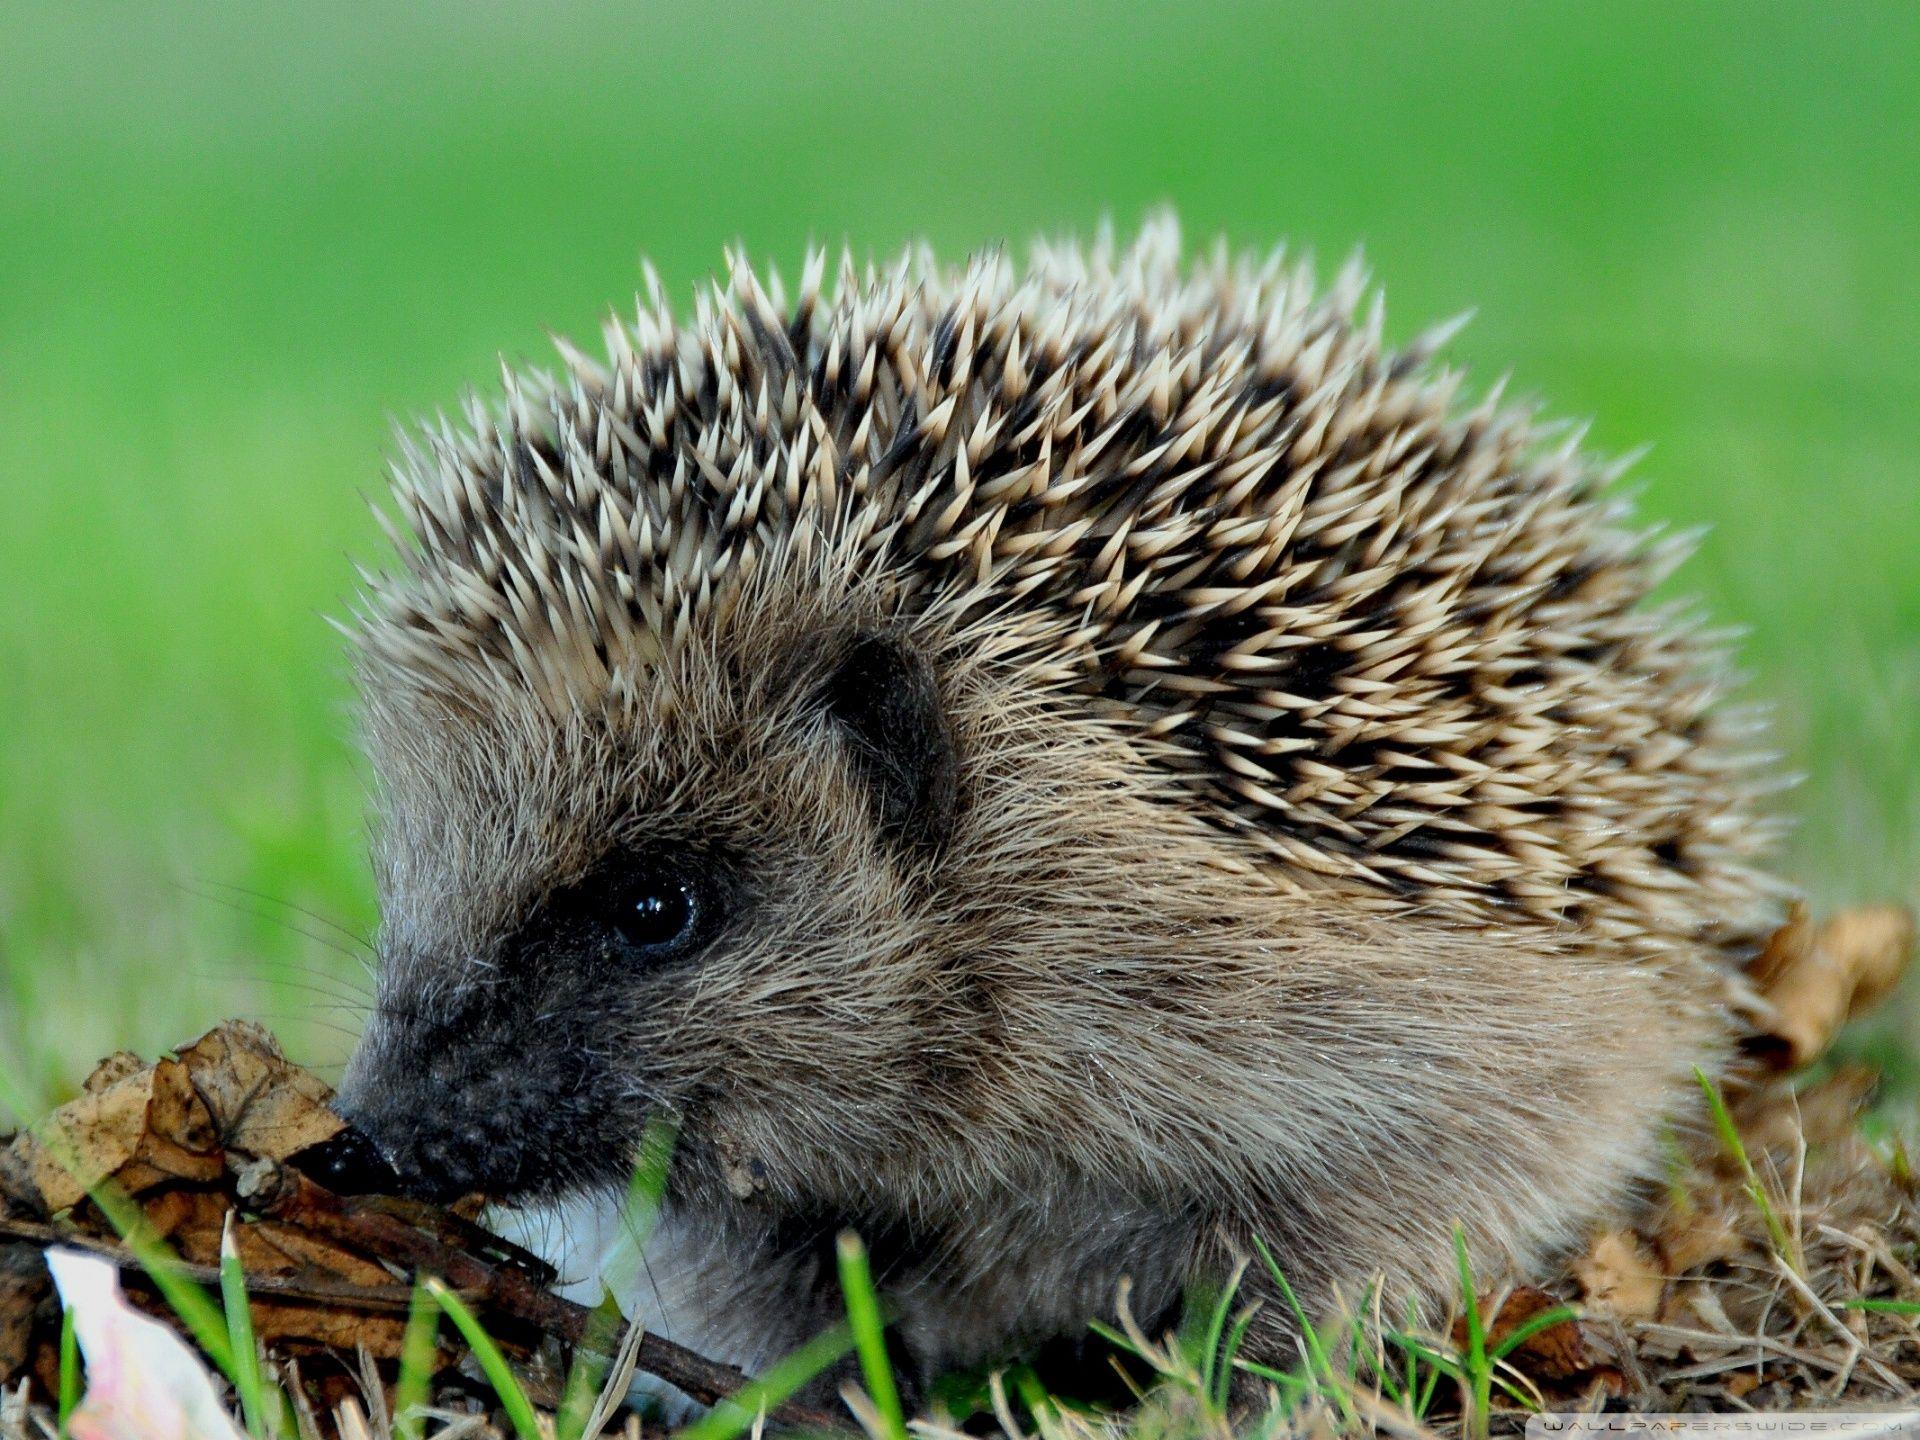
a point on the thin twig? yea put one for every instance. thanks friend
(375, 1299)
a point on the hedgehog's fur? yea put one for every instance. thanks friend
(1336, 851)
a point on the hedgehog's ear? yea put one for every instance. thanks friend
(883, 695)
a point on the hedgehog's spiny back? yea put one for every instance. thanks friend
(1384, 640)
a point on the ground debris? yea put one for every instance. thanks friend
(1719, 1309)
(208, 1145)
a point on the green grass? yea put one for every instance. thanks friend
(747, 1407)
(493, 1362)
(865, 1320)
(413, 1384)
(67, 1398)
(249, 1378)
(236, 240)
(1320, 1366)
(1478, 1368)
(1352, 1368)
(1736, 1149)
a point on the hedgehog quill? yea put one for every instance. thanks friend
(1066, 771)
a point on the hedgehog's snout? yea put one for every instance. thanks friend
(450, 1129)
(431, 1162)
(448, 1107)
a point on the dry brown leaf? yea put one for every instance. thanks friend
(169, 1123)
(141, 1129)
(261, 1103)
(189, 1220)
(1558, 1352)
(178, 1144)
(269, 1248)
(104, 1123)
(1817, 976)
(334, 1328)
(1619, 1277)
(177, 1114)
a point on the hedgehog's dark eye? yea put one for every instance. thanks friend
(645, 908)
(657, 913)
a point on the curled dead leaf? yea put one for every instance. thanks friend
(147, 1126)
(261, 1103)
(1815, 976)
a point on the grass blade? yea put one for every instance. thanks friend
(1438, 1361)
(1321, 1365)
(731, 1417)
(493, 1364)
(1040, 1405)
(1230, 1352)
(1115, 1337)
(1730, 1138)
(1292, 1385)
(1212, 1367)
(1208, 1358)
(415, 1377)
(1479, 1370)
(247, 1378)
(69, 1397)
(647, 1186)
(1525, 1331)
(869, 1333)
(588, 1372)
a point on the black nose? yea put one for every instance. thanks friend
(425, 1153)
(351, 1164)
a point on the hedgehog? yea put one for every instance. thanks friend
(1079, 774)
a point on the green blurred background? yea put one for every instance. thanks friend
(236, 242)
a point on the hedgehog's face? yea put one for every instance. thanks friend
(724, 888)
